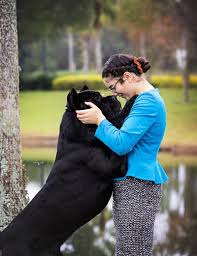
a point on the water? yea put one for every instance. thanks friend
(175, 227)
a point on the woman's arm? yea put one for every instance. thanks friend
(140, 119)
(122, 141)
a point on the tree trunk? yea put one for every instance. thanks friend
(85, 54)
(71, 62)
(12, 174)
(43, 55)
(185, 71)
(143, 52)
(185, 78)
(98, 50)
(142, 44)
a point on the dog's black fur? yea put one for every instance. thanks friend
(79, 185)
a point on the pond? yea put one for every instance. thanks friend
(176, 223)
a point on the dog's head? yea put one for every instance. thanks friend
(109, 105)
(74, 131)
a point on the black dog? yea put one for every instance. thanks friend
(78, 187)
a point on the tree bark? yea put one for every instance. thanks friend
(143, 52)
(71, 62)
(43, 55)
(187, 18)
(85, 54)
(185, 78)
(142, 44)
(98, 50)
(13, 196)
(185, 71)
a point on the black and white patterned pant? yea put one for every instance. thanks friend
(135, 204)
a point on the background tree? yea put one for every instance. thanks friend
(12, 173)
(160, 29)
(41, 20)
(135, 18)
(101, 12)
(184, 13)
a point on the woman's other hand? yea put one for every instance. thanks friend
(93, 115)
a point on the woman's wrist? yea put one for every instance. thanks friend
(100, 118)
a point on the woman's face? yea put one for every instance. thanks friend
(119, 86)
(114, 85)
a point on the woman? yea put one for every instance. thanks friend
(136, 197)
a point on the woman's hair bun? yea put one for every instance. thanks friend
(117, 64)
(144, 64)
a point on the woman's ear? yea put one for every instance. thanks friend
(129, 76)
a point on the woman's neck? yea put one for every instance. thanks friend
(143, 86)
(137, 88)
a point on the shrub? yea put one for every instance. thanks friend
(193, 81)
(43, 81)
(37, 81)
(172, 81)
(93, 81)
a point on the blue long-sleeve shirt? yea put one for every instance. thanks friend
(140, 137)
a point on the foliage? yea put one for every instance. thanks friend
(61, 80)
(136, 18)
(184, 14)
(36, 19)
(172, 81)
(36, 81)
(152, 32)
(114, 41)
(93, 81)
(152, 25)
(138, 13)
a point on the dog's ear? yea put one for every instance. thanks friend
(84, 88)
(72, 98)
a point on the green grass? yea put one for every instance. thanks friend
(41, 111)
(39, 154)
(181, 118)
(41, 114)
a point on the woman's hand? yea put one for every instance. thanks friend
(90, 116)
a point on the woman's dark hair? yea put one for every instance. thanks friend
(117, 64)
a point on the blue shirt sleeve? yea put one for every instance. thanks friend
(140, 119)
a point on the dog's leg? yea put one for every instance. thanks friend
(99, 162)
(106, 163)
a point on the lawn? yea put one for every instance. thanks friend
(41, 113)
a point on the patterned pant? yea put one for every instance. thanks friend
(135, 204)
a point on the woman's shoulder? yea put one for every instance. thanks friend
(151, 96)
(149, 101)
